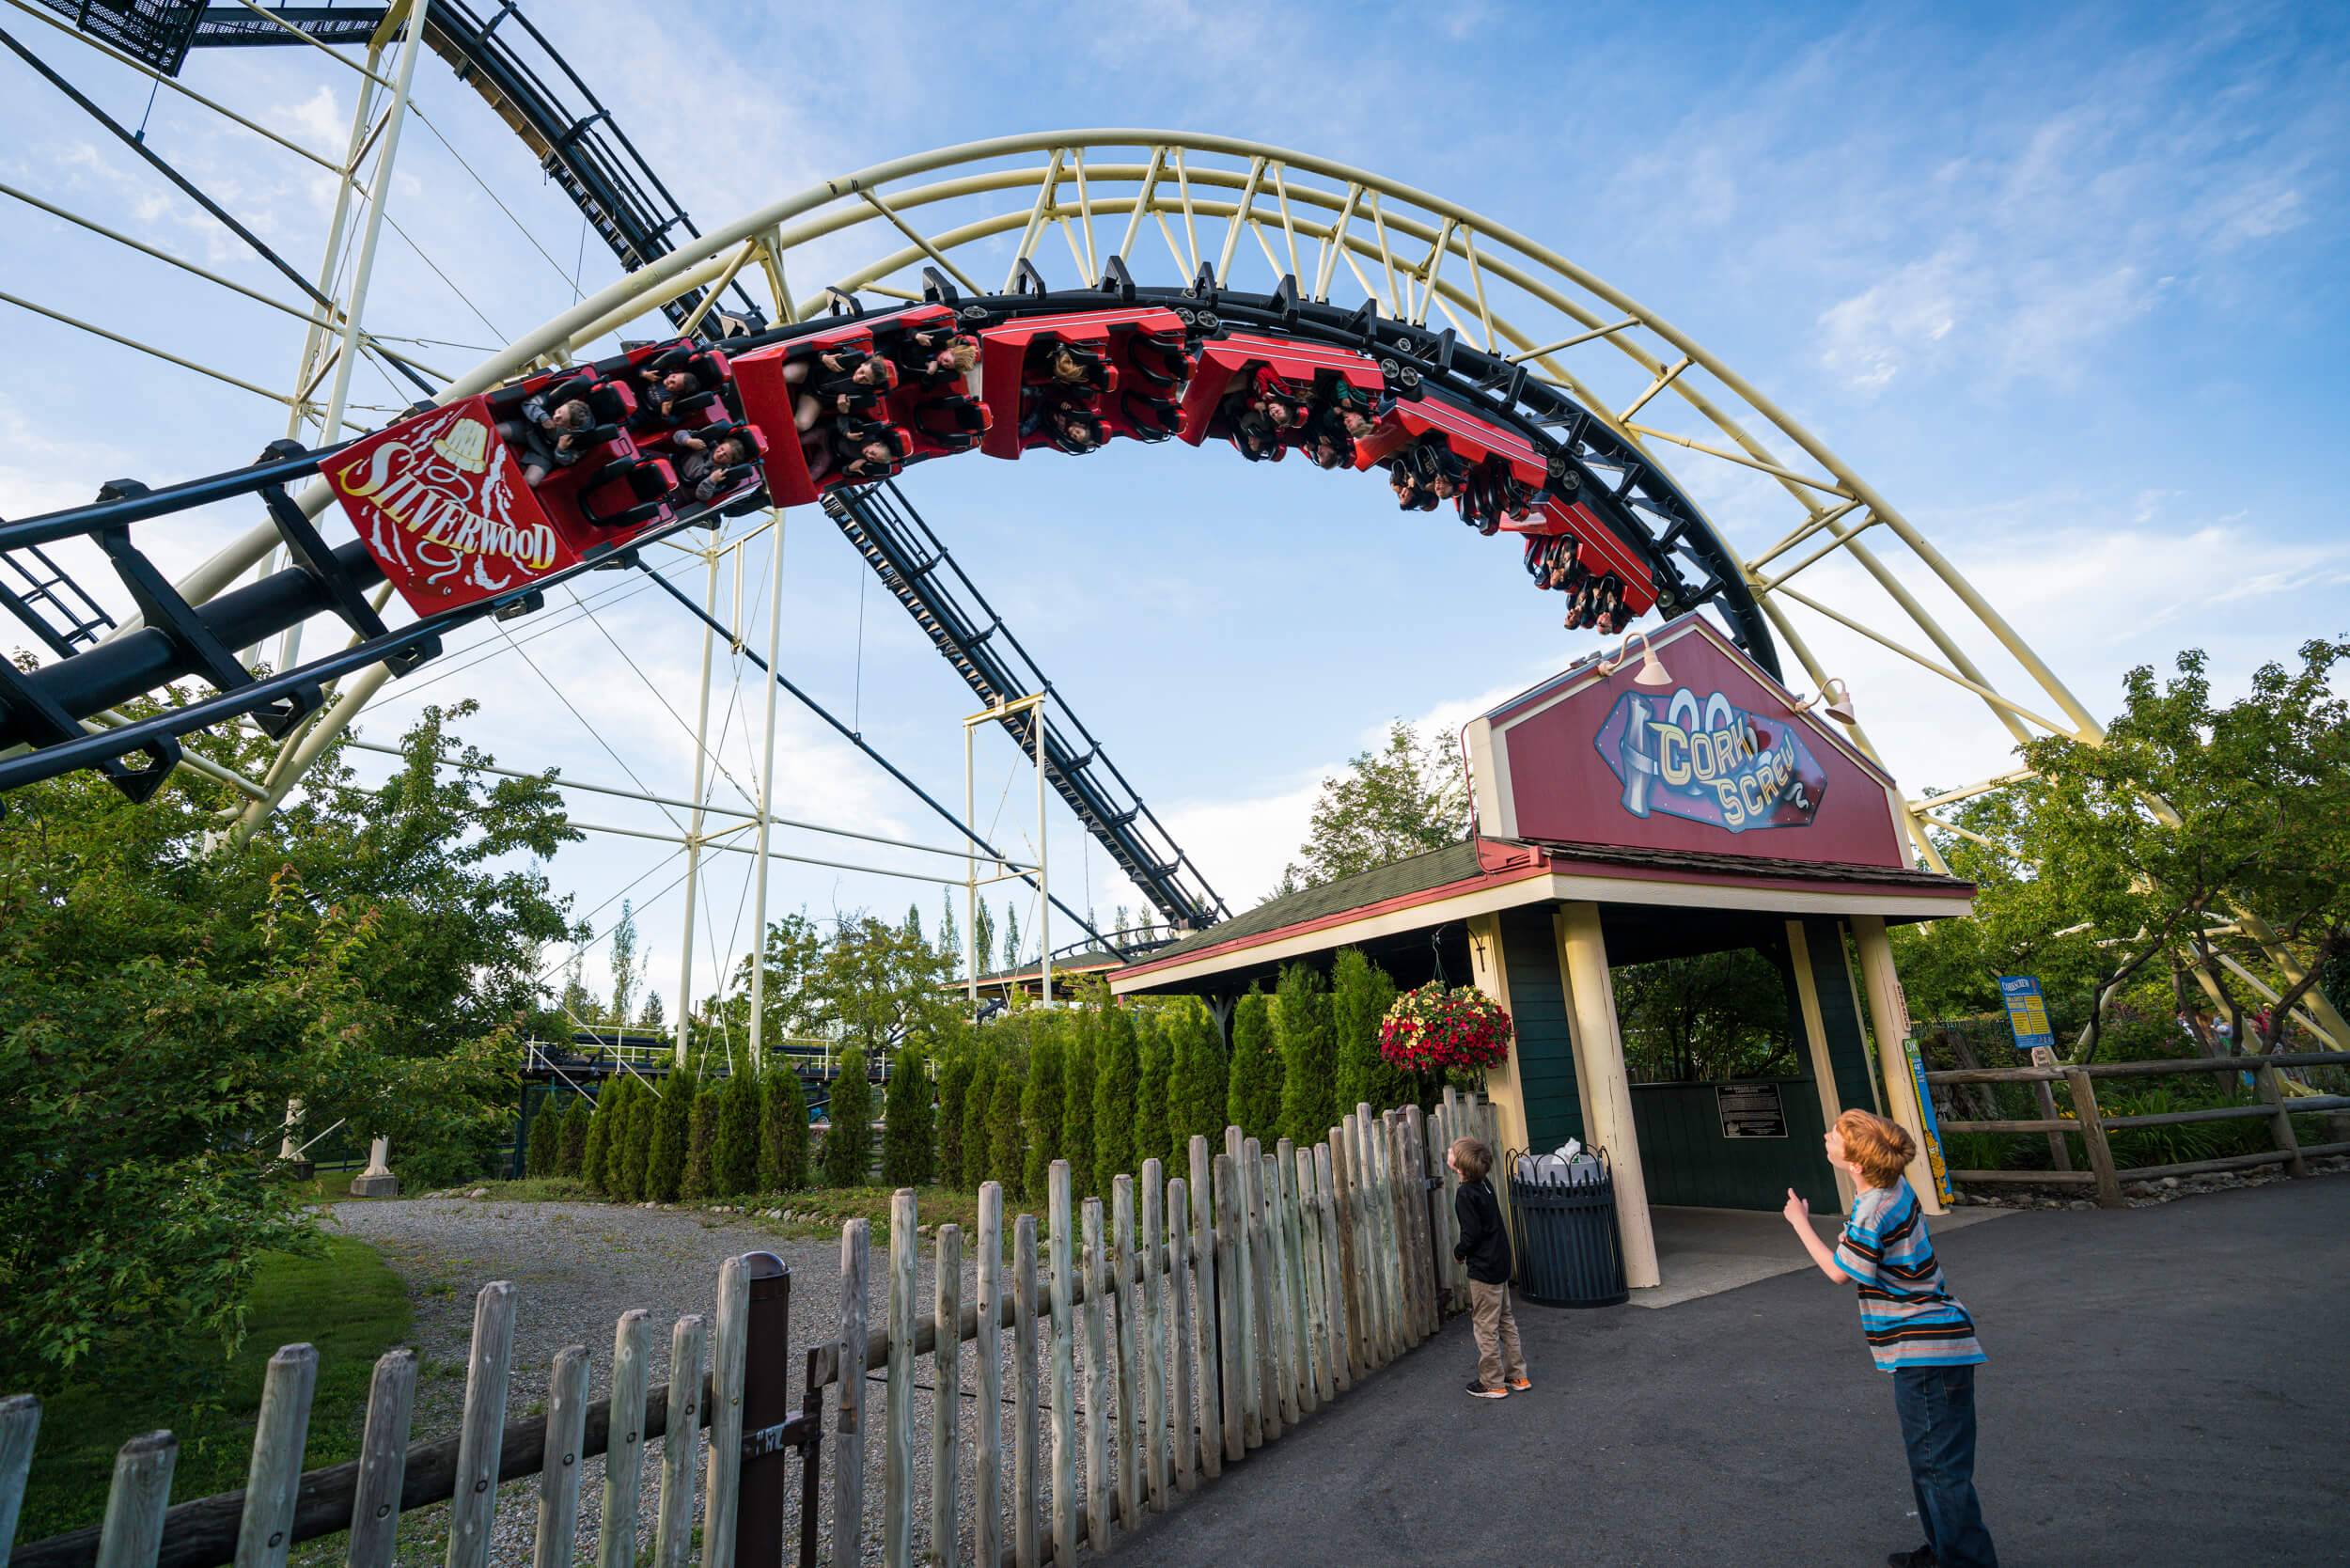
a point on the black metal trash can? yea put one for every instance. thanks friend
(1569, 1251)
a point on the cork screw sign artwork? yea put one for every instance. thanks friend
(1706, 760)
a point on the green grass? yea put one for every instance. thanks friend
(345, 1301)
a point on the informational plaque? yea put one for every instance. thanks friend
(1750, 1110)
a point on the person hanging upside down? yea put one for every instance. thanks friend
(547, 434)
(935, 357)
(707, 469)
(840, 383)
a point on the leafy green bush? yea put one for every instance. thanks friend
(699, 1179)
(1007, 1145)
(1082, 1030)
(734, 1153)
(669, 1132)
(1117, 1078)
(1150, 1089)
(978, 1106)
(1040, 1108)
(783, 1134)
(849, 1143)
(908, 1126)
(1302, 1030)
(1255, 1098)
(954, 1094)
(573, 1152)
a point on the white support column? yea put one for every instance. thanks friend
(1889, 1020)
(379, 194)
(693, 834)
(766, 799)
(1503, 1084)
(971, 890)
(1816, 1036)
(1607, 1089)
(1043, 886)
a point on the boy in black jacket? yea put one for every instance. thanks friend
(1484, 1246)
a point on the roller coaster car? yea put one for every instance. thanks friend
(707, 366)
(769, 401)
(1009, 369)
(945, 423)
(1243, 360)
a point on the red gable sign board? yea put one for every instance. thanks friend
(1712, 759)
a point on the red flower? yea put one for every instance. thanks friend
(1432, 1029)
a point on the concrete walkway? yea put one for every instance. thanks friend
(1707, 1252)
(2168, 1386)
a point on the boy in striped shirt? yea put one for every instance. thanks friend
(1916, 1329)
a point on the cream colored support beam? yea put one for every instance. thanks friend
(1888, 1021)
(293, 766)
(1503, 1084)
(750, 248)
(1740, 459)
(1607, 1089)
(1816, 1038)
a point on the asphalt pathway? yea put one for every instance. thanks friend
(2167, 1385)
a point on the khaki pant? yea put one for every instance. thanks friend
(1498, 1358)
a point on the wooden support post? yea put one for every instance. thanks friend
(2280, 1120)
(20, 1425)
(1406, 1299)
(1264, 1327)
(987, 1504)
(558, 1476)
(1189, 1353)
(1097, 1397)
(275, 1477)
(483, 1430)
(624, 1449)
(848, 1454)
(1206, 1356)
(131, 1532)
(673, 1527)
(2084, 1089)
(1456, 1280)
(1245, 1290)
(1424, 1220)
(946, 1397)
(1350, 1298)
(1152, 1339)
(1333, 1266)
(1064, 1396)
(729, 1348)
(1314, 1305)
(1026, 1511)
(1232, 1368)
(1125, 1352)
(898, 1396)
(1283, 1325)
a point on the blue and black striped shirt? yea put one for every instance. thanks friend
(1906, 1310)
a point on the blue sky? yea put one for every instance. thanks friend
(2065, 284)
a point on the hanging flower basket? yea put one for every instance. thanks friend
(1433, 1029)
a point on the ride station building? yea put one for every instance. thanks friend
(1674, 804)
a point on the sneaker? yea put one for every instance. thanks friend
(1479, 1390)
(1521, 1385)
(1922, 1556)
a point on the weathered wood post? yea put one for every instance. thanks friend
(20, 1425)
(673, 1526)
(624, 1447)
(132, 1532)
(1333, 1266)
(729, 1348)
(946, 1396)
(558, 1473)
(480, 1436)
(1063, 1225)
(848, 1460)
(1097, 1384)
(275, 1477)
(766, 1481)
(1026, 1511)
(987, 1504)
(2281, 1131)
(1244, 1295)
(1264, 1332)
(1153, 1339)
(1350, 1291)
(1207, 1355)
(1126, 1351)
(2084, 1090)
(1285, 1337)
(1232, 1366)
(898, 1413)
(1189, 1353)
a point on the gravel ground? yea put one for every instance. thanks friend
(576, 1267)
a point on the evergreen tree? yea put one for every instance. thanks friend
(1150, 1078)
(573, 1152)
(540, 1137)
(734, 1159)
(631, 1141)
(700, 1180)
(655, 1019)
(984, 938)
(672, 1133)
(1076, 1118)
(1041, 1106)
(909, 1150)
(1175, 1032)
(1116, 1077)
(979, 1102)
(1254, 1100)
(1012, 937)
(848, 1144)
(1211, 1077)
(577, 1006)
(591, 1162)
(782, 1130)
(626, 974)
(1302, 1027)
(954, 1096)
(949, 932)
(1006, 1148)
(1360, 994)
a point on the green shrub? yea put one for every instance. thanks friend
(1254, 1103)
(595, 1166)
(1081, 1061)
(1302, 1028)
(849, 1143)
(541, 1132)
(909, 1148)
(954, 1097)
(670, 1133)
(1175, 1032)
(632, 1140)
(1360, 994)
(1040, 1108)
(699, 1179)
(573, 1149)
(1150, 1089)
(1211, 1077)
(782, 1130)
(734, 1153)
(979, 1102)
(1117, 1078)
(1007, 1141)
(2172, 1145)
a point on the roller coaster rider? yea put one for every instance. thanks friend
(549, 432)
(935, 357)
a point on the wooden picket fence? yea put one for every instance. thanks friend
(1206, 1314)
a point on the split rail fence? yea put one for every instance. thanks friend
(2090, 1125)
(1155, 1340)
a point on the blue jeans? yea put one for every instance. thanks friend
(1936, 1406)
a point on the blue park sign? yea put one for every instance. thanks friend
(2027, 1013)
